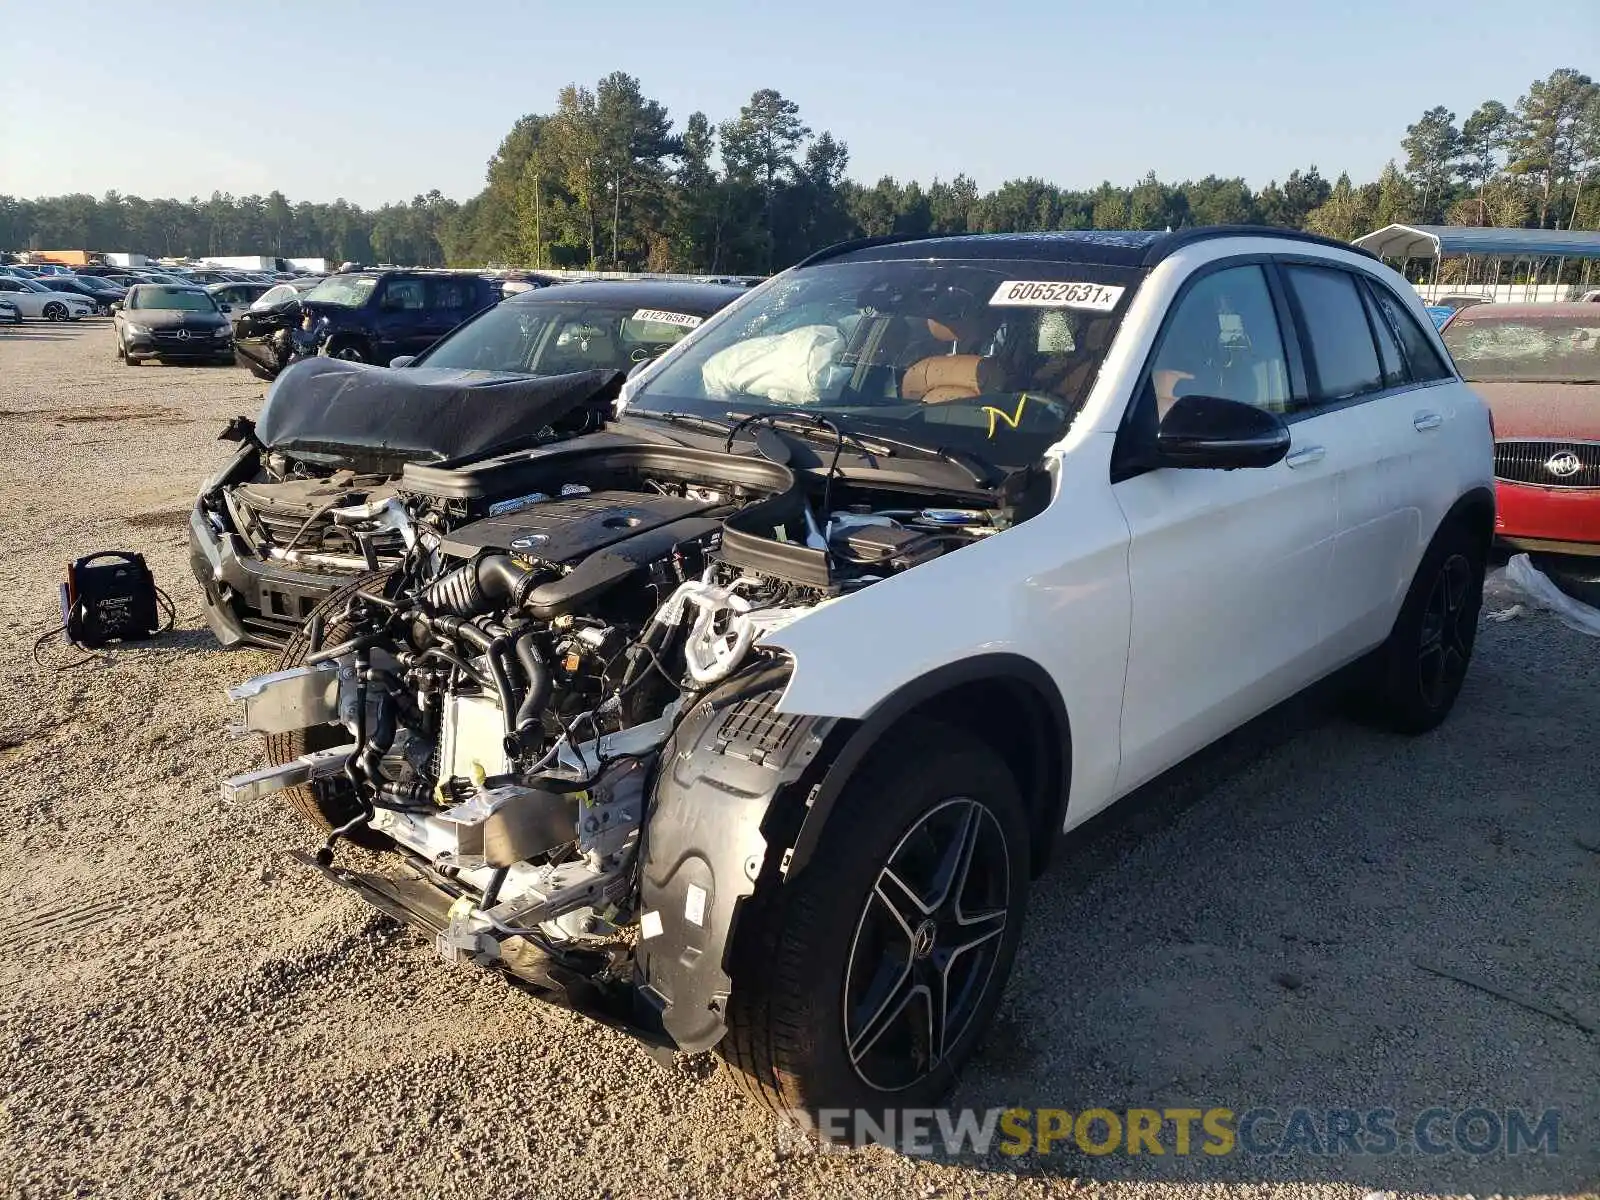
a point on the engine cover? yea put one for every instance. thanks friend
(570, 529)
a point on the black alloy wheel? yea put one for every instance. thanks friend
(1449, 623)
(926, 944)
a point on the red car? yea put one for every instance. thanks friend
(1538, 366)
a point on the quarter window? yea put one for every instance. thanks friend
(1344, 359)
(1223, 340)
(1395, 373)
(1424, 361)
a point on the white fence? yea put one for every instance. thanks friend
(1504, 293)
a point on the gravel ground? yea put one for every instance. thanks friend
(184, 1014)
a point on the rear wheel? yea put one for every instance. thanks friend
(867, 982)
(1418, 672)
(327, 803)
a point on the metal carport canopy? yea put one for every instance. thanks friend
(1434, 241)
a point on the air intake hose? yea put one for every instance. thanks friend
(481, 586)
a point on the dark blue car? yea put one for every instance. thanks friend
(373, 316)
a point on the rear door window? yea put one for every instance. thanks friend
(451, 296)
(1344, 358)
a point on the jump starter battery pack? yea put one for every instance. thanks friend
(109, 597)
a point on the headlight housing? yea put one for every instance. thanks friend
(139, 330)
(222, 331)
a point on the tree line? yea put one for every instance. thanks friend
(609, 181)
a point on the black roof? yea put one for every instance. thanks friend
(1108, 247)
(696, 299)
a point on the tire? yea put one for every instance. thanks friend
(347, 349)
(1416, 675)
(327, 803)
(122, 352)
(54, 311)
(815, 955)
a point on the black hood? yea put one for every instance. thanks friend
(379, 419)
(175, 318)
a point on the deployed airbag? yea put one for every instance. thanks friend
(385, 417)
(785, 368)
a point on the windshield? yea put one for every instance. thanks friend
(151, 295)
(556, 338)
(32, 285)
(347, 291)
(1535, 349)
(991, 357)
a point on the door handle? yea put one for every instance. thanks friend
(1425, 421)
(1304, 458)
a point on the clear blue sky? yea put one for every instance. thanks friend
(378, 101)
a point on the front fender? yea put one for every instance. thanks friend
(726, 802)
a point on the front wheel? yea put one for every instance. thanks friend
(867, 982)
(327, 803)
(1416, 675)
(348, 351)
(54, 312)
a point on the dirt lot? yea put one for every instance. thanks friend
(184, 1014)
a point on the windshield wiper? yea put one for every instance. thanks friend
(813, 426)
(676, 416)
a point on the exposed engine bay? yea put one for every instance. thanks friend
(496, 702)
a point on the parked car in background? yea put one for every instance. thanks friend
(372, 316)
(173, 324)
(1455, 301)
(265, 546)
(36, 299)
(236, 298)
(100, 292)
(9, 310)
(1440, 315)
(1538, 367)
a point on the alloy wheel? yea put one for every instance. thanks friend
(926, 944)
(1448, 625)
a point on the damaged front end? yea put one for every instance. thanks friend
(309, 500)
(561, 719)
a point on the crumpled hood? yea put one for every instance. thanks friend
(383, 418)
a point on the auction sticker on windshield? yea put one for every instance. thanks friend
(662, 317)
(1042, 293)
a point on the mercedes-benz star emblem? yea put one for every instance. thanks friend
(530, 541)
(1563, 464)
(183, 335)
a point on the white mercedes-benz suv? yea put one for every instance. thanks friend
(745, 720)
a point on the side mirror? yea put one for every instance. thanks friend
(116, 306)
(402, 360)
(1208, 432)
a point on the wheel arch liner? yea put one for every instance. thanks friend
(741, 797)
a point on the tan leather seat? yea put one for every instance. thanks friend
(947, 377)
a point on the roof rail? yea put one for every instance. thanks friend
(1178, 239)
(866, 243)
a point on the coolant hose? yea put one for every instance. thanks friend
(491, 647)
(540, 683)
(492, 581)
